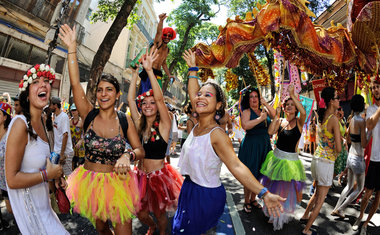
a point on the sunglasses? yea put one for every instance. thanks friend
(168, 35)
(336, 98)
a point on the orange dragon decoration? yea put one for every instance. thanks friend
(286, 26)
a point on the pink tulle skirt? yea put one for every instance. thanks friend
(159, 190)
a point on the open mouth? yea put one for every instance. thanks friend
(42, 94)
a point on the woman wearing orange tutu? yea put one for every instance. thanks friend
(159, 182)
(104, 188)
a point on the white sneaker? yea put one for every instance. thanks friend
(355, 227)
(363, 231)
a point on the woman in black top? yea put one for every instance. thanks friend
(283, 172)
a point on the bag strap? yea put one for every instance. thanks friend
(47, 137)
(123, 123)
(89, 118)
(93, 113)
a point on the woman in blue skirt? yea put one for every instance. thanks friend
(202, 198)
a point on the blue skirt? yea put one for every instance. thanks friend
(199, 208)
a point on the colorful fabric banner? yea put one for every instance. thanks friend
(308, 105)
(318, 86)
(291, 77)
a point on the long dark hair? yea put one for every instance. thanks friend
(245, 100)
(106, 77)
(220, 97)
(24, 103)
(327, 95)
(143, 124)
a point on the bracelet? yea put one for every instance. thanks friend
(194, 77)
(133, 156)
(193, 69)
(71, 52)
(42, 176)
(262, 193)
(45, 174)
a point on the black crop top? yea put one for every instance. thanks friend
(288, 139)
(155, 149)
(355, 138)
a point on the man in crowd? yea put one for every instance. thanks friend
(62, 136)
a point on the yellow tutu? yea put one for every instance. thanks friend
(103, 196)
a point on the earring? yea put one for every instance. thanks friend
(195, 114)
(218, 115)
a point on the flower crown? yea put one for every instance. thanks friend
(141, 97)
(39, 70)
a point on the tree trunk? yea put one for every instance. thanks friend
(104, 52)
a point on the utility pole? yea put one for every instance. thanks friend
(55, 25)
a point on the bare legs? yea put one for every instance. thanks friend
(363, 206)
(145, 217)
(314, 206)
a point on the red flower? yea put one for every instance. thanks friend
(37, 67)
(29, 73)
(39, 74)
(152, 139)
(154, 133)
(44, 74)
(156, 124)
(21, 84)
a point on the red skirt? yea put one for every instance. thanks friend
(159, 190)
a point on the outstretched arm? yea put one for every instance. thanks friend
(273, 127)
(299, 106)
(68, 37)
(193, 86)
(147, 62)
(223, 148)
(131, 97)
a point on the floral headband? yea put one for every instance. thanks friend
(141, 97)
(39, 70)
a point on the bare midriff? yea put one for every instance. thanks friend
(103, 168)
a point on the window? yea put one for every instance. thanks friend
(84, 73)
(18, 50)
(37, 56)
(89, 13)
(57, 63)
(3, 40)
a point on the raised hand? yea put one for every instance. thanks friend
(291, 90)
(278, 111)
(273, 204)
(264, 114)
(162, 16)
(68, 36)
(149, 58)
(189, 57)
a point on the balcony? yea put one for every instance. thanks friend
(42, 9)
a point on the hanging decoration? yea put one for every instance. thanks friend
(232, 80)
(206, 73)
(261, 74)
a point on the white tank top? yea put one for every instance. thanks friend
(199, 160)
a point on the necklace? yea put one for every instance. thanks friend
(75, 122)
(153, 133)
(204, 129)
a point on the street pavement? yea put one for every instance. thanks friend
(235, 220)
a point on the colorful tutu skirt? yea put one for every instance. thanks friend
(199, 208)
(283, 174)
(159, 190)
(103, 196)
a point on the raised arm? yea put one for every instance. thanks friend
(269, 108)
(299, 106)
(160, 26)
(193, 85)
(224, 149)
(131, 97)
(68, 37)
(273, 127)
(147, 62)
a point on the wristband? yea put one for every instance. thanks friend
(194, 69)
(262, 193)
(194, 77)
(71, 52)
(133, 156)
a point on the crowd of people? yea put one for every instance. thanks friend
(114, 166)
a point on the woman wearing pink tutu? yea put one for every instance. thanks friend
(159, 182)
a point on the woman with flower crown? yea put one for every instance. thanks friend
(159, 182)
(329, 146)
(103, 189)
(27, 165)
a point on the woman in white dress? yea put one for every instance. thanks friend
(27, 165)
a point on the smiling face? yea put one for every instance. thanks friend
(375, 87)
(205, 100)
(149, 106)
(254, 100)
(106, 95)
(290, 107)
(39, 92)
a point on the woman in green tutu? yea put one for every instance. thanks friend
(256, 143)
(282, 170)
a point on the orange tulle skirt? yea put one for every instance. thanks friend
(159, 189)
(103, 196)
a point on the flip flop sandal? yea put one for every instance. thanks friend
(247, 207)
(256, 204)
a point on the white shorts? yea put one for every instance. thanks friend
(322, 171)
